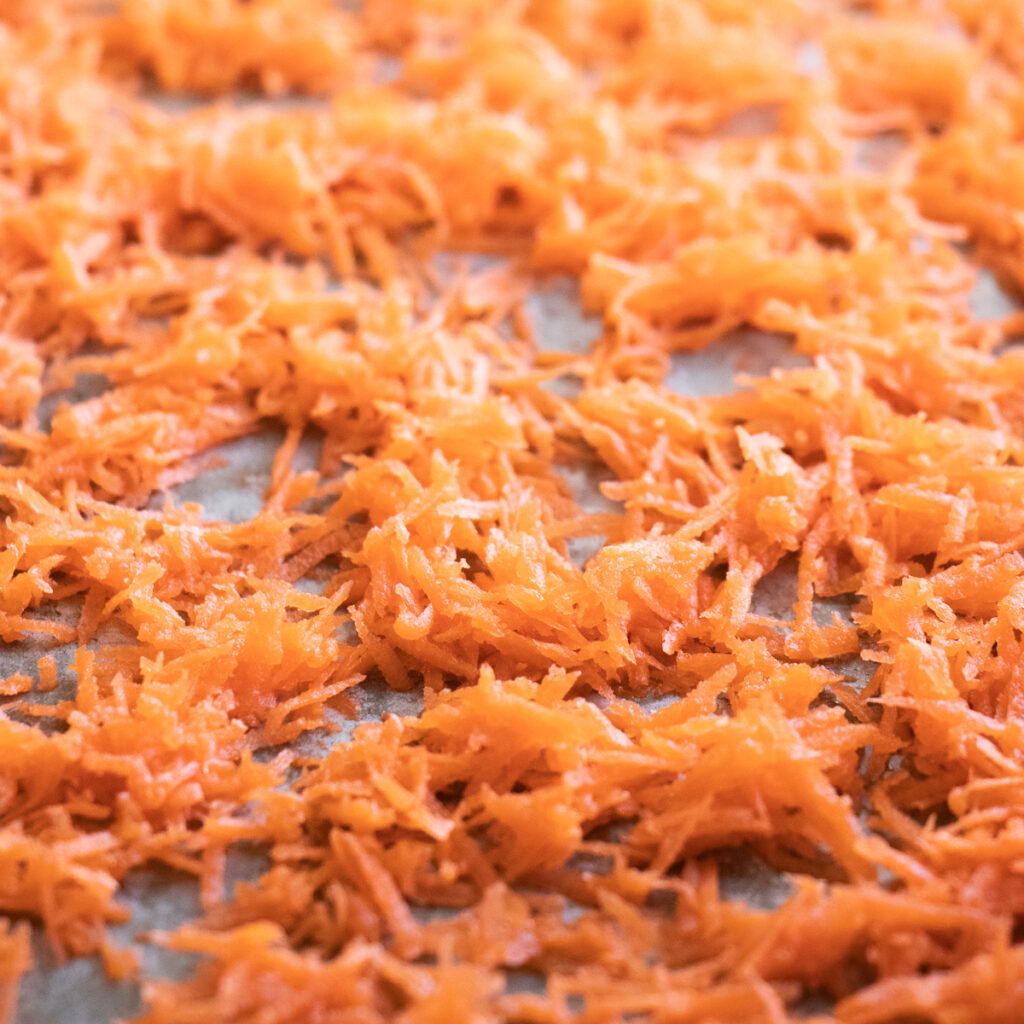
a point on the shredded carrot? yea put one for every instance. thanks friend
(15, 961)
(556, 834)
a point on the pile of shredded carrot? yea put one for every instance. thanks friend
(238, 215)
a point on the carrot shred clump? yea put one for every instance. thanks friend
(759, 755)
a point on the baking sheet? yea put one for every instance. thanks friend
(77, 992)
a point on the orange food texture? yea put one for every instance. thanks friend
(794, 655)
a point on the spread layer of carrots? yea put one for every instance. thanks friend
(555, 835)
